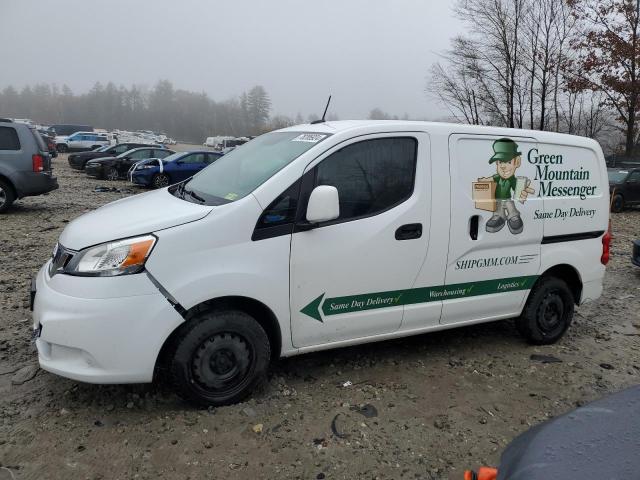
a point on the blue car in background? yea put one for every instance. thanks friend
(159, 173)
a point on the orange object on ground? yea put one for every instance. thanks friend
(484, 473)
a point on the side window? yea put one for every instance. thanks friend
(141, 154)
(371, 176)
(634, 177)
(120, 149)
(212, 157)
(279, 217)
(195, 158)
(9, 139)
(161, 153)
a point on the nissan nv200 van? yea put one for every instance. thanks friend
(322, 236)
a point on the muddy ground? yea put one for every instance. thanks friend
(436, 403)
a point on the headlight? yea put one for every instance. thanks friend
(121, 257)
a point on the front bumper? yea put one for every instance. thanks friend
(94, 170)
(100, 330)
(140, 179)
(76, 162)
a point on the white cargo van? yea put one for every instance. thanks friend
(321, 236)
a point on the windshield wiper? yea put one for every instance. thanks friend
(193, 194)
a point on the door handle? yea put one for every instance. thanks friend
(409, 231)
(473, 227)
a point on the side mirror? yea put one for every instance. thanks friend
(324, 204)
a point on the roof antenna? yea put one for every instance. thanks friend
(322, 120)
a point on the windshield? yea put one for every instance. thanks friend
(617, 176)
(236, 174)
(102, 149)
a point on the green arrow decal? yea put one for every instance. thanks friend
(313, 309)
(394, 298)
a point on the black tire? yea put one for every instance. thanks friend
(112, 174)
(62, 148)
(7, 197)
(617, 203)
(218, 358)
(160, 180)
(548, 312)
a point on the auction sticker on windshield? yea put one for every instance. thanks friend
(309, 137)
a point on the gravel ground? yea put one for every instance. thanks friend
(422, 407)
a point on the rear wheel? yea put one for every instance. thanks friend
(112, 174)
(7, 196)
(617, 203)
(548, 312)
(62, 148)
(160, 180)
(219, 358)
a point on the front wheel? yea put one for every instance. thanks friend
(219, 357)
(112, 174)
(617, 204)
(548, 312)
(160, 180)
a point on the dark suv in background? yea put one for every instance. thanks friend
(624, 186)
(79, 160)
(25, 164)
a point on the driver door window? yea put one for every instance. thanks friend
(371, 176)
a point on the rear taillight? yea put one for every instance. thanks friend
(606, 246)
(38, 163)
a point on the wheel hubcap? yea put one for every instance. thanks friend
(221, 363)
(161, 181)
(113, 175)
(551, 313)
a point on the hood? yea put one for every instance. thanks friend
(101, 159)
(131, 216)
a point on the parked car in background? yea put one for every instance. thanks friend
(70, 129)
(228, 144)
(624, 187)
(172, 169)
(81, 141)
(25, 164)
(79, 160)
(114, 168)
(49, 139)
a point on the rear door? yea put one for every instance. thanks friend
(495, 232)
(10, 151)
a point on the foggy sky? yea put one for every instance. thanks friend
(367, 53)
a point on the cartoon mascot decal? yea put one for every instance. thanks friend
(495, 193)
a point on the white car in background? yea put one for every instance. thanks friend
(81, 141)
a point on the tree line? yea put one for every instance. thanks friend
(179, 113)
(561, 65)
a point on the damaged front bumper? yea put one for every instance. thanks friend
(101, 330)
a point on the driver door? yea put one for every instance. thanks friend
(348, 276)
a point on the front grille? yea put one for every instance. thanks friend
(61, 258)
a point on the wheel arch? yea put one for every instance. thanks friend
(8, 181)
(256, 309)
(570, 275)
